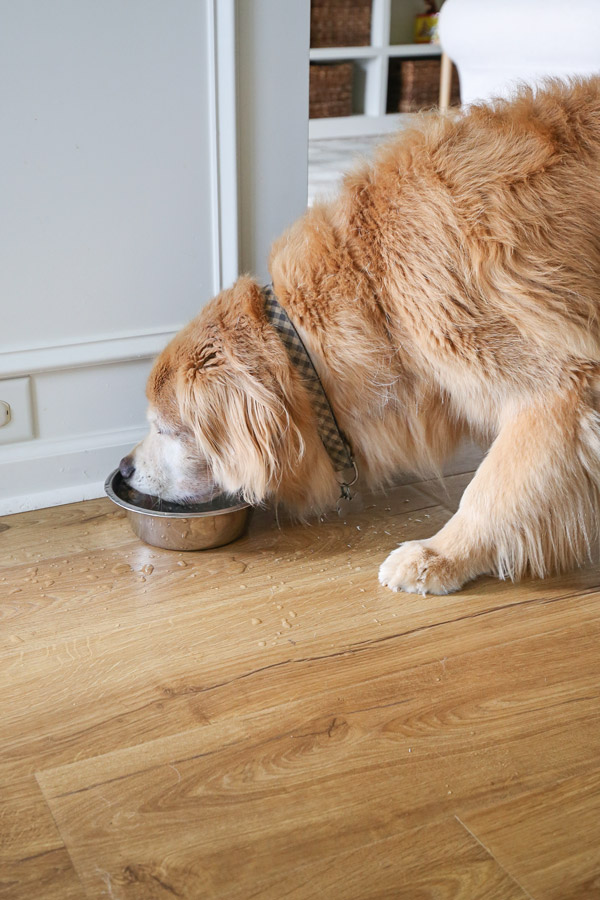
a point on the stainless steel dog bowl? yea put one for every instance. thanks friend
(199, 526)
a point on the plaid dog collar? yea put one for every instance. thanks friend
(333, 440)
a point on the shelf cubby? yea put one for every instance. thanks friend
(392, 24)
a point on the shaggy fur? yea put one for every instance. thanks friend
(452, 287)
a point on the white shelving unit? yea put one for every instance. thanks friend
(391, 32)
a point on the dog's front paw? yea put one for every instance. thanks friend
(418, 569)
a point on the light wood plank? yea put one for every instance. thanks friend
(33, 858)
(256, 793)
(253, 715)
(524, 833)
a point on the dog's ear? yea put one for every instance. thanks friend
(208, 355)
(242, 425)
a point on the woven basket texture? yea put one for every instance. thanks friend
(414, 84)
(330, 90)
(340, 23)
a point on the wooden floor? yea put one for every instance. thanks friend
(266, 721)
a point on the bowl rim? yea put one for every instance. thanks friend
(131, 507)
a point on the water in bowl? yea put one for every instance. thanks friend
(156, 504)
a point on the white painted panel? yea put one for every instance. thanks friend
(16, 414)
(91, 400)
(105, 167)
(273, 60)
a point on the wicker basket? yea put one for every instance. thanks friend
(340, 23)
(414, 84)
(330, 90)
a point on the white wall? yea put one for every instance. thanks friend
(273, 70)
(105, 153)
(106, 237)
(498, 44)
(121, 186)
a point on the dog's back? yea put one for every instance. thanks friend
(490, 221)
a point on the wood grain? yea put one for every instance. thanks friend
(567, 812)
(265, 720)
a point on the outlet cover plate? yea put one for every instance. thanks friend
(17, 393)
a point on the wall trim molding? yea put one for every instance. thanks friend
(223, 151)
(44, 448)
(79, 354)
(76, 467)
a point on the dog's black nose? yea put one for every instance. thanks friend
(126, 467)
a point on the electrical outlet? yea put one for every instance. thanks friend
(16, 414)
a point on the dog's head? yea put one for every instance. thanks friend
(227, 411)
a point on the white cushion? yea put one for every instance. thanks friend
(497, 43)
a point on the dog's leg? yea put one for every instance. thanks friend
(531, 507)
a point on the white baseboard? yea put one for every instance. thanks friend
(75, 467)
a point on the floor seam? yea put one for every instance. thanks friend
(61, 835)
(494, 857)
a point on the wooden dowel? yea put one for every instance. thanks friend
(445, 82)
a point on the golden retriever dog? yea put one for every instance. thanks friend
(451, 288)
